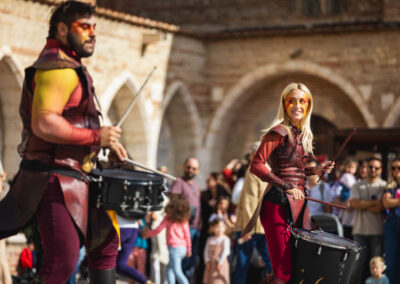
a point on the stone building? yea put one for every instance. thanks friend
(221, 66)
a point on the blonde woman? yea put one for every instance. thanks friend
(391, 234)
(286, 145)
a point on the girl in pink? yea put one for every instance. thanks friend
(179, 243)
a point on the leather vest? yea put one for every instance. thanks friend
(85, 115)
(289, 159)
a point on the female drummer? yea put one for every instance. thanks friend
(286, 146)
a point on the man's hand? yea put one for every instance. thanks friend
(189, 254)
(109, 135)
(296, 193)
(119, 150)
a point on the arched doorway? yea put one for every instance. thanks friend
(136, 127)
(10, 124)
(180, 132)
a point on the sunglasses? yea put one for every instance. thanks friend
(374, 168)
(191, 168)
(395, 168)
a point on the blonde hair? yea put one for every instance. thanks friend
(377, 259)
(391, 180)
(282, 118)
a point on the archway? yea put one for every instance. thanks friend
(180, 131)
(137, 127)
(10, 125)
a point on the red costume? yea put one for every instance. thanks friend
(51, 176)
(287, 159)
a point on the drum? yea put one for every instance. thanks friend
(320, 257)
(131, 193)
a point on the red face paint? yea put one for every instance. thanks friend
(296, 105)
(82, 36)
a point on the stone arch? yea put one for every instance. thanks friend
(393, 118)
(180, 129)
(11, 78)
(244, 90)
(137, 128)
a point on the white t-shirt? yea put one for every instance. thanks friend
(237, 191)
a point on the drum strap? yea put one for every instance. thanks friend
(38, 166)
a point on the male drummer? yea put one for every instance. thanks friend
(61, 137)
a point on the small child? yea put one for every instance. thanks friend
(179, 242)
(216, 254)
(222, 212)
(377, 266)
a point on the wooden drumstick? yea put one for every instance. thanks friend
(150, 169)
(340, 150)
(325, 202)
(132, 103)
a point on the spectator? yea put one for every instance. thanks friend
(230, 170)
(222, 212)
(238, 187)
(186, 186)
(216, 254)
(5, 276)
(252, 193)
(159, 249)
(138, 256)
(320, 191)
(27, 262)
(377, 267)
(129, 230)
(348, 215)
(391, 201)
(178, 236)
(363, 171)
(366, 199)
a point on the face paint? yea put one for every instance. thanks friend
(296, 105)
(82, 36)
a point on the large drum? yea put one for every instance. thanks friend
(131, 193)
(320, 257)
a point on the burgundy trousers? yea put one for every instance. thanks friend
(278, 239)
(61, 240)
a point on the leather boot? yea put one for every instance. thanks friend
(106, 276)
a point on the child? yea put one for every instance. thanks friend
(178, 236)
(216, 254)
(377, 266)
(222, 209)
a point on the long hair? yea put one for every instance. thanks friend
(392, 182)
(282, 118)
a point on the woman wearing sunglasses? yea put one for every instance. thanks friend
(391, 201)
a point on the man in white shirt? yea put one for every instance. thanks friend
(366, 199)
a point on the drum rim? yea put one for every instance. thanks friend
(356, 249)
(95, 174)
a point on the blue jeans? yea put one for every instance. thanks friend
(190, 263)
(82, 253)
(174, 267)
(244, 252)
(391, 238)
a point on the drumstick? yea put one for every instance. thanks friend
(340, 150)
(325, 202)
(150, 169)
(132, 103)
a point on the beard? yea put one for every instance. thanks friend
(78, 46)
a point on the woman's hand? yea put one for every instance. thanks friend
(324, 167)
(296, 193)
